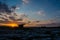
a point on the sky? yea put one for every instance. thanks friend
(47, 10)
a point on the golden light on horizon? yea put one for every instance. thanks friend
(10, 24)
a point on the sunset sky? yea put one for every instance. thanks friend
(47, 10)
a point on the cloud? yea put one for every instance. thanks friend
(4, 8)
(25, 1)
(8, 14)
(17, 7)
(14, 8)
(47, 21)
(41, 13)
(56, 19)
(12, 17)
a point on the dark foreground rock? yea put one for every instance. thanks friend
(41, 33)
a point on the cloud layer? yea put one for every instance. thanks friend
(8, 14)
(41, 13)
(25, 1)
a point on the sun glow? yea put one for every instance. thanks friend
(9, 24)
(12, 25)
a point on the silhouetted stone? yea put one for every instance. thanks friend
(21, 26)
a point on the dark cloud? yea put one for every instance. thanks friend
(4, 8)
(8, 14)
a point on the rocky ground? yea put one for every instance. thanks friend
(30, 34)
